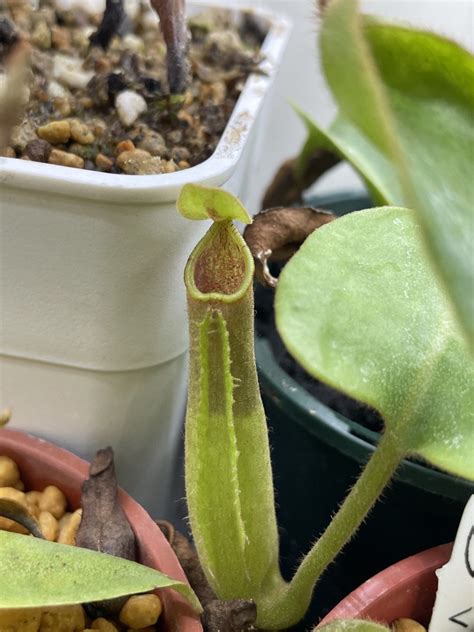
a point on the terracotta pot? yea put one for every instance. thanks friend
(42, 463)
(405, 589)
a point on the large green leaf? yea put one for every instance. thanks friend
(406, 123)
(38, 573)
(360, 308)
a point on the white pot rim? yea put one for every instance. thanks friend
(121, 188)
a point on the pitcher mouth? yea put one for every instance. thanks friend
(221, 266)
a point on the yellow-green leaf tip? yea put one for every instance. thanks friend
(199, 202)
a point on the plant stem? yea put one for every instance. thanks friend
(286, 606)
(172, 16)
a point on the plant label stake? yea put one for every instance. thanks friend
(454, 606)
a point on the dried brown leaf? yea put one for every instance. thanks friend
(104, 526)
(277, 233)
(14, 510)
(189, 560)
(219, 616)
(238, 615)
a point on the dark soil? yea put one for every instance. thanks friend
(111, 110)
(342, 404)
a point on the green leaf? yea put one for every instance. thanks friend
(406, 123)
(199, 202)
(352, 625)
(360, 308)
(38, 573)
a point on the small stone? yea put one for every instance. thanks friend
(175, 137)
(407, 625)
(41, 36)
(38, 150)
(86, 102)
(168, 166)
(124, 145)
(183, 164)
(57, 91)
(87, 152)
(60, 38)
(148, 19)
(103, 625)
(223, 44)
(217, 91)
(68, 71)
(98, 127)
(8, 152)
(133, 8)
(65, 159)
(133, 43)
(42, 62)
(44, 14)
(184, 116)
(103, 162)
(80, 39)
(141, 611)
(129, 106)
(180, 153)
(22, 135)
(89, 6)
(102, 65)
(98, 89)
(153, 142)
(55, 132)
(62, 106)
(81, 133)
(139, 163)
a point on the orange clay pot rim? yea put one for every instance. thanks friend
(154, 549)
(394, 578)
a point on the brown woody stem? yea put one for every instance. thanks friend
(173, 25)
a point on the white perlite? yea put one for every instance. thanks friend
(89, 6)
(129, 106)
(57, 91)
(96, 6)
(68, 71)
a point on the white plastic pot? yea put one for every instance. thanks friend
(93, 332)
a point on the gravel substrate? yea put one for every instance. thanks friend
(110, 110)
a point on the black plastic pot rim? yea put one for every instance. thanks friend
(346, 436)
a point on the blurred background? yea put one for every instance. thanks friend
(300, 80)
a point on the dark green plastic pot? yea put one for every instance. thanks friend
(317, 454)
